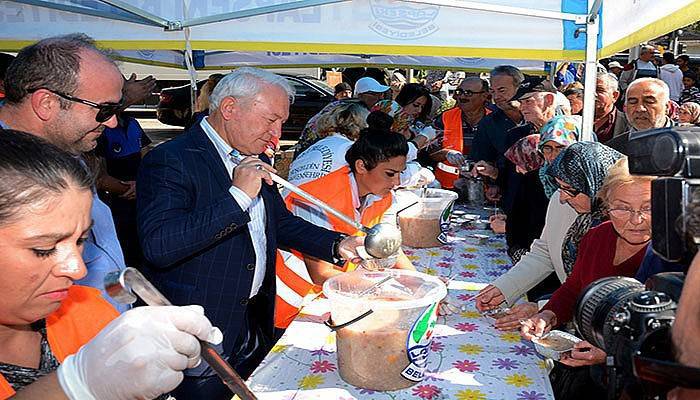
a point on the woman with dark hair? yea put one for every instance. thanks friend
(60, 340)
(409, 110)
(362, 190)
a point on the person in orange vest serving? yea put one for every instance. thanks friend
(361, 190)
(64, 341)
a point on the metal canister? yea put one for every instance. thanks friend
(475, 192)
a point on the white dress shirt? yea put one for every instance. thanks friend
(255, 207)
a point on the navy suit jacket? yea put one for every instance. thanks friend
(195, 236)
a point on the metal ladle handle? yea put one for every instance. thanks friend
(315, 201)
(135, 283)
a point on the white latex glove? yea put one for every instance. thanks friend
(139, 355)
(429, 132)
(455, 158)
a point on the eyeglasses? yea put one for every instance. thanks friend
(105, 111)
(468, 93)
(549, 149)
(627, 213)
(570, 191)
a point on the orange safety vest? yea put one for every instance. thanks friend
(445, 172)
(292, 284)
(79, 318)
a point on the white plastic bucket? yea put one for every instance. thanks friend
(426, 224)
(387, 349)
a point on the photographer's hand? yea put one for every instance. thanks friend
(538, 325)
(583, 354)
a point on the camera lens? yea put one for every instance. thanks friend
(599, 305)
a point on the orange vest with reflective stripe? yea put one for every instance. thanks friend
(445, 172)
(335, 190)
(79, 318)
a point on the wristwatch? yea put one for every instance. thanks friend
(337, 259)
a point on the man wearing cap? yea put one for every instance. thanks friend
(536, 96)
(367, 90)
(615, 67)
(343, 91)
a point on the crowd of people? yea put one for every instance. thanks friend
(83, 194)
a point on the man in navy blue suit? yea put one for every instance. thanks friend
(210, 221)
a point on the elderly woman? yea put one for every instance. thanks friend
(689, 114)
(573, 210)
(361, 190)
(57, 339)
(556, 135)
(524, 222)
(615, 247)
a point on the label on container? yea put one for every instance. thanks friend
(417, 345)
(445, 223)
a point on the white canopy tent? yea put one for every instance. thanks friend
(502, 29)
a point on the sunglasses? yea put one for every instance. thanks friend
(105, 111)
(468, 93)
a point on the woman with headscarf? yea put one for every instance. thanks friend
(689, 114)
(556, 135)
(525, 220)
(572, 211)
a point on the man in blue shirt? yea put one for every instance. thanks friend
(66, 91)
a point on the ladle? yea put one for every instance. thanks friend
(382, 240)
(124, 286)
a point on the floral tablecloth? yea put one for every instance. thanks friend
(470, 359)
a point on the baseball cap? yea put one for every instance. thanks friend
(367, 84)
(614, 64)
(534, 84)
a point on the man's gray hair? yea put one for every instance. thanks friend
(665, 92)
(610, 81)
(245, 84)
(481, 81)
(646, 48)
(52, 63)
(511, 71)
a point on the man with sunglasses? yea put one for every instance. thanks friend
(64, 90)
(459, 124)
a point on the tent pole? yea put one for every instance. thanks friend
(138, 12)
(590, 77)
(86, 11)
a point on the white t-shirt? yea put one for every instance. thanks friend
(328, 154)
(645, 65)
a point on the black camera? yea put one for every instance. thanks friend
(631, 323)
(673, 154)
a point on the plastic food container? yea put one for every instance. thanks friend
(388, 349)
(555, 344)
(426, 223)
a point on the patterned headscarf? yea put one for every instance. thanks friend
(564, 130)
(394, 110)
(694, 110)
(583, 166)
(524, 153)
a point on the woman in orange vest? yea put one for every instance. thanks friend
(361, 190)
(59, 340)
